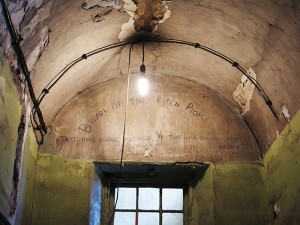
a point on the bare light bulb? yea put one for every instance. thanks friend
(143, 86)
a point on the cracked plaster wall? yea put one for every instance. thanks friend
(257, 41)
(266, 40)
(30, 21)
(231, 193)
(16, 197)
(35, 32)
(27, 181)
(62, 192)
(162, 126)
(9, 122)
(282, 165)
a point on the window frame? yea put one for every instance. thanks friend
(168, 174)
(161, 185)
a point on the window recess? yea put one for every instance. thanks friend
(147, 194)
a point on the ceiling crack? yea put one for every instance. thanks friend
(258, 62)
(209, 7)
(255, 138)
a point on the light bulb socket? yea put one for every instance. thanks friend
(143, 68)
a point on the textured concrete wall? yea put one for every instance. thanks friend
(282, 173)
(203, 199)
(267, 42)
(9, 121)
(227, 194)
(27, 181)
(191, 124)
(231, 194)
(62, 192)
(240, 195)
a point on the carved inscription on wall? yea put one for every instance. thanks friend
(186, 125)
(190, 109)
(223, 143)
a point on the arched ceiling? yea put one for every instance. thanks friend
(262, 36)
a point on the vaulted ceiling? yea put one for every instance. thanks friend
(193, 94)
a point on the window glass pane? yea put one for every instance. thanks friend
(124, 218)
(172, 199)
(172, 218)
(149, 219)
(126, 199)
(149, 198)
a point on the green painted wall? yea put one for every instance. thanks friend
(62, 192)
(10, 111)
(203, 198)
(240, 195)
(27, 181)
(232, 193)
(283, 175)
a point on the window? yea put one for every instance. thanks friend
(147, 194)
(149, 204)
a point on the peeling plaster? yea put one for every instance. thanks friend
(276, 209)
(17, 12)
(29, 19)
(127, 30)
(145, 16)
(35, 3)
(147, 152)
(244, 92)
(34, 30)
(34, 54)
(285, 113)
(17, 166)
(3, 82)
(98, 17)
(102, 4)
(41, 14)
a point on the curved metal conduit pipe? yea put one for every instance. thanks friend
(235, 64)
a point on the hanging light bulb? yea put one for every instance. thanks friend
(143, 82)
(143, 86)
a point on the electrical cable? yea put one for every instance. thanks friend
(143, 59)
(40, 124)
(261, 91)
(124, 133)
